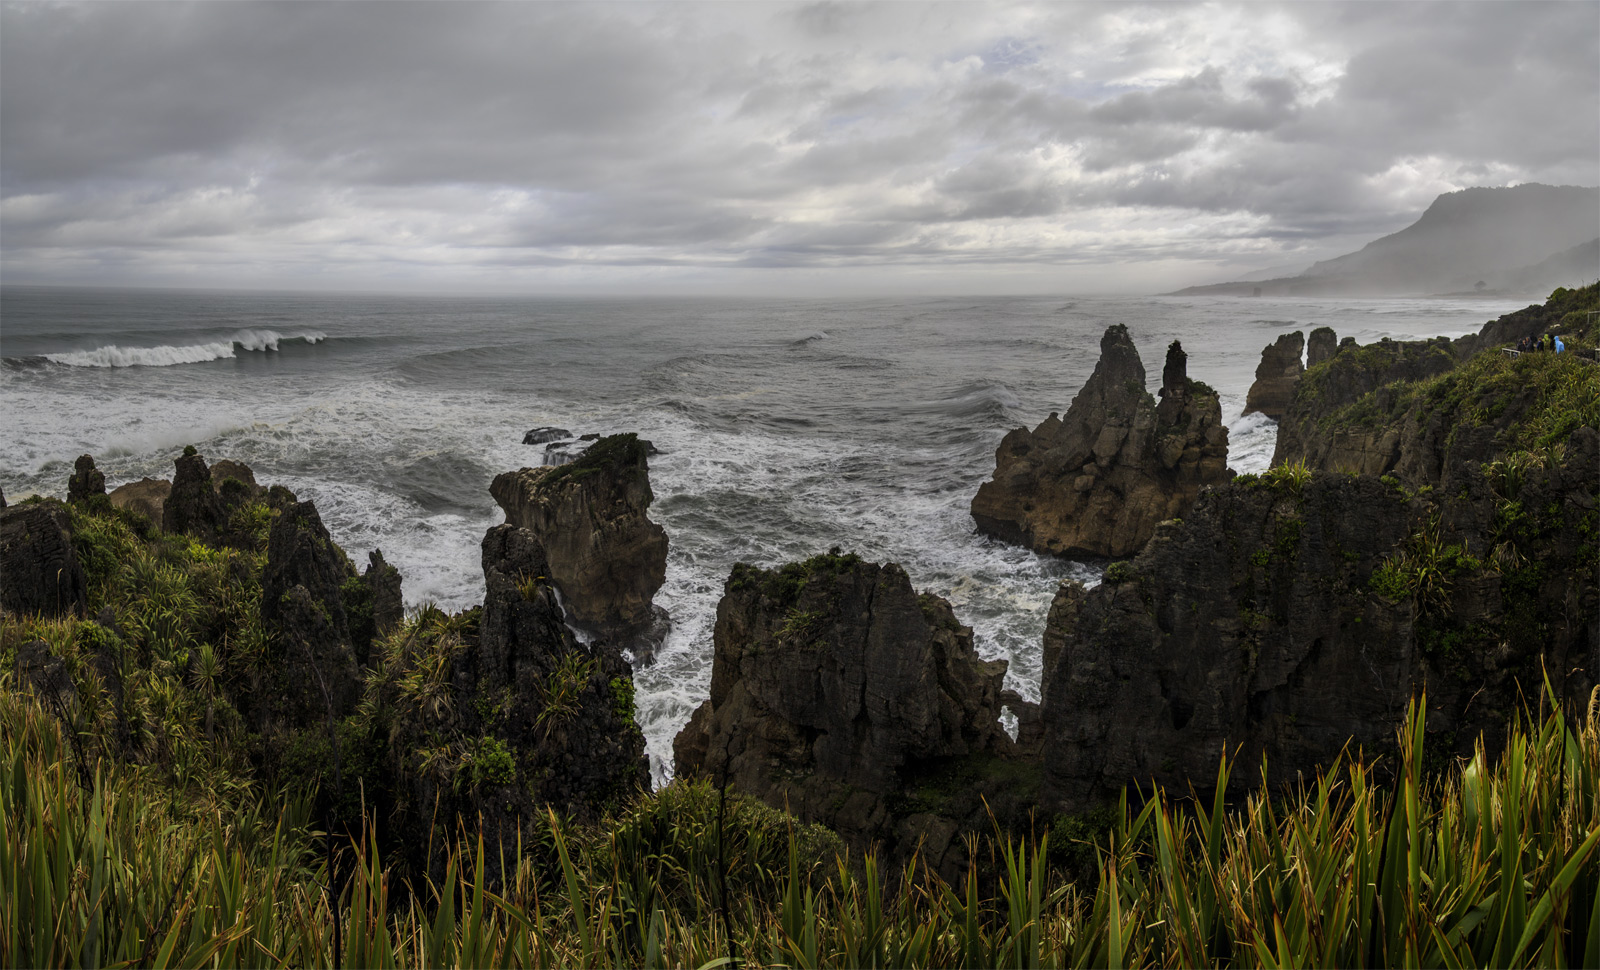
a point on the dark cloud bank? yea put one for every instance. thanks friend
(748, 148)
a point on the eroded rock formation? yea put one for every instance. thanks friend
(835, 689)
(1276, 376)
(1097, 481)
(192, 506)
(86, 482)
(604, 554)
(1413, 448)
(1288, 620)
(39, 570)
(1324, 343)
(315, 673)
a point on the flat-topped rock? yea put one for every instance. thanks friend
(605, 555)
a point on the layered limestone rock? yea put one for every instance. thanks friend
(1285, 619)
(86, 482)
(315, 673)
(1383, 440)
(1276, 376)
(604, 554)
(835, 690)
(39, 570)
(1324, 343)
(1097, 481)
(192, 506)
(147, 497)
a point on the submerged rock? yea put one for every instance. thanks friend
(1097, 481)
(834, 685)
(1276, 376)
(540, 436)
(39, 569)
(86, 482)
(604, 554)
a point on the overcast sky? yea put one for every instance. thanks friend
(762, 148)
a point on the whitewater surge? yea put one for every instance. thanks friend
(250, 341)
(785, 427)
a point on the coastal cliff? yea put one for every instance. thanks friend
(1096, 482)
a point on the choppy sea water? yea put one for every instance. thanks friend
(785, 426)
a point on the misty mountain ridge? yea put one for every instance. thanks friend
(1516, 239)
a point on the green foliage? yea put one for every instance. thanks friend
(491, 763)
(1426, 570)
(622, 699)
(1475, 862)
(784, 584)
(1291, 477)
(563, 688)
(1120, 572)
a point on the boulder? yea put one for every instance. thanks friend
(834, 688)
(1275, 623)
(1097, 481)
(86, 482)
(147, 497)
(1324, 343)
(39, 569)
(603, 553)
(1276, 376)
(192, 507)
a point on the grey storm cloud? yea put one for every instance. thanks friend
(247, 142)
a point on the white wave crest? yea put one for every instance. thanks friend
(248, 340)
(114, 356)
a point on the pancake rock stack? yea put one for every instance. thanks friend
(604, 554)
(833, 682)
(1097, 481)
(1276, 376)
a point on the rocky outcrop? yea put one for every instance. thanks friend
(838, 692)
(545, 435)
(86, 482)
(192, 506)
(604, 554)
(1358, 413)
(315, 671)
(1285, 618)
(1324, 343)
(570, 718)
(147, 497)
(1097, 481)
(1276, 376)
(39, 570)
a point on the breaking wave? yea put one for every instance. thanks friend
(249, 341)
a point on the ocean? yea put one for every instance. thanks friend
(785, 427)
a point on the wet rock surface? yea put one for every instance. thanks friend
(603, 552)
(840, 693)
(1096, 482)
(39, 569)
(1276, 376)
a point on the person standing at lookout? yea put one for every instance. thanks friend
(1556, 342)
